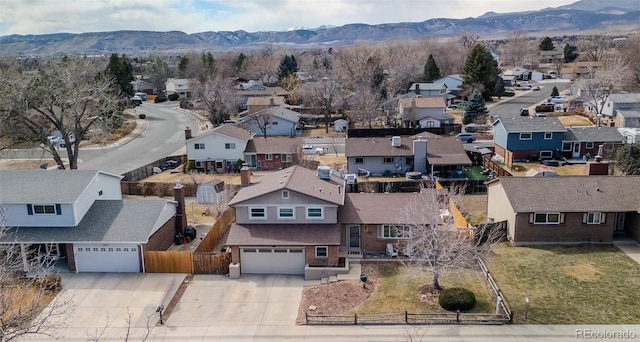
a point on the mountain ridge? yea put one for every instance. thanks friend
(580, 16)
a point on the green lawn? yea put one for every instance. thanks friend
(397, 291)
(568, 285)
(474, 173)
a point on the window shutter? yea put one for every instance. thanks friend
(531, 217)
(584, 217)
(58, 209)
(30, 209)
(561, 217)
(603, 218)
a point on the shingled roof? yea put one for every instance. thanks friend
(284, 235)
(572, 193)
(273, 145)
(531, 124)
(294, 178)
(593, 134)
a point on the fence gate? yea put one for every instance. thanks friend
(211, 263)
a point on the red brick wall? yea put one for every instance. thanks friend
(525, 154)
(500, 151)
(163, 238)
(275, 163)
(71, 257)
(571, 231)
(310, 256)
(370, 241)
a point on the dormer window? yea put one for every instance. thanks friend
(285, 194)
(44, 209)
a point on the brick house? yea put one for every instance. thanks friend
(565, 210)
(272, 153)
(528, 138)
(579, 142)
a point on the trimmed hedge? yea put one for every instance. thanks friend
(457, 298)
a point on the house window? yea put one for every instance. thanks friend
(359, 160)
(588, 145)
(408, 161)
(525, 136)
(257, 213)
(100, 193)
(285, 158)
(608, 146)
(546, 154)
(273, 123)
(388, 160)
(268, 156)
(547, 218)
(79, 249)
(548, 136)
(594, 217)
(322, 252)
(44, 209)
(230, 146)
(285, 194)
(315, 213)
(198, 146)
(388, 231)
(199, 164)
(286, 213)
(566, 146)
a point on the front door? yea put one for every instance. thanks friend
(576, 150)
(619, 224)
(353, 236)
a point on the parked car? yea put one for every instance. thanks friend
(458, 105)
(535, 87)
(524, 111)
(308, 149)
(136, 100)
(524, 84)
(541, 115)
(466, 137)
(546, 107)
(557, 99)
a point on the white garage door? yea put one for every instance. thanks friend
(272, 260)
(106, 258)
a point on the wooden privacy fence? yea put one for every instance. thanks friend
(490, 164)
(204, 260)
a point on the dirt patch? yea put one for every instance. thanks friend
(428, 294)
(24, 164)
(337, 298)
(474, 208)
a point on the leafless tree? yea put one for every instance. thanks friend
(596, 88)
(630, 52)
(517, 48)
(26, 307)
(261, 120)
(158, 71)
(215, 92)
(468, 40)
(595, 47)
(69, 95)
(324, 96)
(301, 159)
(431, 237)
(368, 104)
(99, 334)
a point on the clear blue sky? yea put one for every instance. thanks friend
(190, 16)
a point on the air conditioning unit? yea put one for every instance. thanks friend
(396, 142)
(351, 178)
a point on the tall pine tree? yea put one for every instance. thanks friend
(121, 71)
(288, 66)
(481, 68)
(431, 70)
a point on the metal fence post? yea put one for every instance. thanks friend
(406, 317)
(458, 316)
(355, 319)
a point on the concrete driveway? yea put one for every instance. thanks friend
(252, 300)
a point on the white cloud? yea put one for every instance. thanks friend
(53, 16)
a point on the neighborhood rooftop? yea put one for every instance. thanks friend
(283, 234)
(44, 186)
(283, 145)
(229, 130)
(532, 124)
(593, 134)
(294, 178)
(573, 193)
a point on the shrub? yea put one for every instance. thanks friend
(185, 104)
(173, 97)
(457, 298)
(160, 98)
(188, 166)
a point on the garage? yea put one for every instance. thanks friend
(268, 260)
(107, 258)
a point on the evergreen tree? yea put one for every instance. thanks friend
(476, 109)
(481, 68)
(431, 70)
(570, 53)
(183, 64)
(546, 44)
(628, 159)
(121, 71)
(208, 62)
(240, 63)
(555, 92)
(288, 66)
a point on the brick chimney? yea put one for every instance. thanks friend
(187, 133)
(245, 175)
(417, 88)
(181, 217)
(598, 166)
(272, 101)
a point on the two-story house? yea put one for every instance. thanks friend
(273, 121)
(80, 217)
(567, 209)
(251, 89)
(619, 102)
(627, 119)
(453, 82)
(427, 112)
(142, 86)
(579, 142)
(286, 220)
(528, 138)
(430, 89)
(425, 152)
(258, 103)
(218, 149)
(180, 86)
